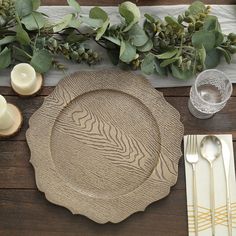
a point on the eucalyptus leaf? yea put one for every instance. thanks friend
(168, 61)
(102, 29)
(219, 38)
(94, 23)
(146, 47)
(162, 71)
(40, 43)
(74, 23)
(34, 21)
(74, 4)
(180, 74)
(197, 7)
(226, 54)
(205, 38)
(22, 36)
(148, 64)
(36, 4)
(5, 58)
(131, 14)
(212, 58)
(202, 55)
(20, 54)
(168, 54)
(127, 52)
(23, 7)
(112, 39)
(41, 61)
(148, 28)
(98, 13)
(7, 40)
(123, 40)
(211, 23)
(63, 23)
(137, 35)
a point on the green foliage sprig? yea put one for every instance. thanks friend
(181, 46)
(27, 35)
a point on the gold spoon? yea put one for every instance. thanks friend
(210, 149)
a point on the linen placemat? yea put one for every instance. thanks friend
(203, 192)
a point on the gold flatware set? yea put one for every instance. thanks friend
(209, 148)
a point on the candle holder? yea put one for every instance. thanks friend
(25, 81)
(11, 119)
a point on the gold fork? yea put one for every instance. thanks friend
(192, 158)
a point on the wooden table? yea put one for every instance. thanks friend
(25, 211)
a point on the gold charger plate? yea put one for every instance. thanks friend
(105, 144)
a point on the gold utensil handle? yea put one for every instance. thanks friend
(226, 155)
(212, 199)
(228, 207)
(195, 200)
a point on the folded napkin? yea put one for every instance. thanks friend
(203, 193)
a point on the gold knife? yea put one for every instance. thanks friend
(226, 160)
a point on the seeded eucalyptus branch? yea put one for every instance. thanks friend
(182, 46)
(26, 35)
(189, 44)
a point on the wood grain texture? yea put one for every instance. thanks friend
(87, 140)
(138, 2)
(167, 92)
(29, 213)
(222, 122)
(25, 211)
(16, 172)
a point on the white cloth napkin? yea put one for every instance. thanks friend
(203, 193)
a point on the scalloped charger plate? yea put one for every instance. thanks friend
(105, 144)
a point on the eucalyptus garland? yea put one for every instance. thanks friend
(182, 46)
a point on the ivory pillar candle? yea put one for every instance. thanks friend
(23, 79)
(6, 120)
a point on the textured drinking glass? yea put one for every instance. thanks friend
(209, 93)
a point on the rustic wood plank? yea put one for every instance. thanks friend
(17, 172)
(138, 2)
(15, 169)
(222, 122)
(183, 91)
(28, 211)
(14, 154)
(168, 92)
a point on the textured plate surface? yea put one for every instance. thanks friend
(105, 144)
